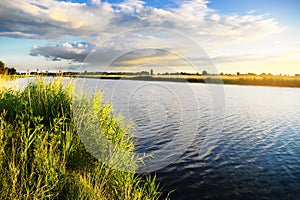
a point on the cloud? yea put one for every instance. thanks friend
(58, 19)
(16, 34)
(53, 19)
(76, 51)
(161, 60)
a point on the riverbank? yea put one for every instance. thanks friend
(251, 80)
(254, 80)
(42, 156)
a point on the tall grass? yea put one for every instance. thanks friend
(42, 156)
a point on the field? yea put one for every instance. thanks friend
(42, 156)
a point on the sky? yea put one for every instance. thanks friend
(229, 36)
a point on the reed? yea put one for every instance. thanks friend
(42, 156)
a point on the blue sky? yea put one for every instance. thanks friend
(285, 11)
(246, 36)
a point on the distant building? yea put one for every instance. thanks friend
(151, 71)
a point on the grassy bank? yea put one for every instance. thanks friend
(42, 156)
(258, 80)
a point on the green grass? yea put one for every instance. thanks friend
(42, 156)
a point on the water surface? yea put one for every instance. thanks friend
(255, 156)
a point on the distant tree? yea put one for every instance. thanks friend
(204, 73)
(2, 67)
(238, 73)
(12, 71)
(5, 70)
(252, 74)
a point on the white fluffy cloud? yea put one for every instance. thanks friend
(54, 19)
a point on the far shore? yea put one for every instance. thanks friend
(242, 79)
(253, 80)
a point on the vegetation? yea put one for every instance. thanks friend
(259, 80)
(42, 156)
(240, 79)
(6, 71)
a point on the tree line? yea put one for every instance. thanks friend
(6, 70)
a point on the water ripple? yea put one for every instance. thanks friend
(256, 156)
